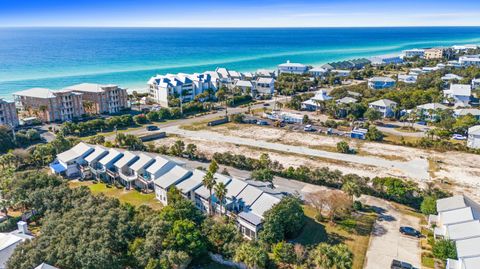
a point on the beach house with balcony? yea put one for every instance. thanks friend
(469, 60)
(458, 220)
(187, 187)
(245, 86)
(474, 137)
(317, 101)
(50, 106)
(458, 94)
(378, 83)
(265, 86)
(92, 168)
(106, 169)
(251, 219)
(68, 163)
(123, 170)
(138, 169)
(155, 171)
(384, 106)
(171, 178)
(410, 53)
(101, 99)
(8, 113)
(292, 68)
(434, 53)
(202, 194)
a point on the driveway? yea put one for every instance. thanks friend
(386, 242)
(416, 168)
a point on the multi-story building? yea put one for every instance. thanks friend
(49, 105)
(292, 68)
(378, 83)
(162, 88)
(458, 94)
(469, 60)
(100, 99)
(265, 86)
(8, 113)
(414, 53)
(474, 137)
(434, 53)
(384, 106)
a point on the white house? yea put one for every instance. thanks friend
(459, 94)
(9, 241)
(384, 60)
(265, 86)
(474, 137)
(292, 68)
(469, 60)
(378, 83)
(467, 111)
(246, 86)
(428, 111)
(91, 167)
(341, 73)
(384, 106)
(407, 78)
(158, 168)
(69, 162)
(264, 73)
(449, 77)
(105, 165)
(458, 220)
(313, 103)
(172, 177)
(413, 53)
(318, 72)
(138, 169)
(123, 170)
(250, 220)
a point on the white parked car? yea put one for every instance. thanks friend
(459, 137)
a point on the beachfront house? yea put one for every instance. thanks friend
(100, 99)
(384, 106)
(264, 86)
(409, 79)
(469, 60)
(458, 220)
(317, 101)
(318, 72)
(378, 83)
(68, 163)
(292, 68)
(458, 94)
(411, 53)
(50, 106)
(474, 137)
(170, 178)
(162, 88)
(123, 170)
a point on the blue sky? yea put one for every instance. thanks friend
(242, 13)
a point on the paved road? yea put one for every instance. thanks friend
(386, 242)
(416, 168)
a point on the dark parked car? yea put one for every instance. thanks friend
(262, 122)
(266, 104)
(152, 128)
(400, 265)
(409, 231)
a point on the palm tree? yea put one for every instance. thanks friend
(220, 193)
(352, 189)
(209, 182)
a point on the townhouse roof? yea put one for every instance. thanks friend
(451, 76)
(203, 191)
(143, 161)
(159, 163)
(381, 79)
(191, 183)
(243, 83)
(112, 154)
(173, 176)
(432, 106)
(250, 217)
(90, 87)
(265, 80)
(235, 187)
(318, 70)
(468, 247)
(126, 159)
(463, 230)
(249, 195)
(451, 203)
(471, 263)
(457, 215)
(77, 151)
(98, 152)
(383, 103)
(474, 130)
(264, 203)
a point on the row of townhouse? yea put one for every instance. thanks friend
(458, 219)
(72, 102)
(245, 201)
(163, 88)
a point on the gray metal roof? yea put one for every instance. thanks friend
(112, 154)
(126, 159)
(450, 203)
(250, 217)
(176, 174)
(191, 183)
(264, 203)
(97, 154)
(77, 151)
(142, 162)
(249, 195)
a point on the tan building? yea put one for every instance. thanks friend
(8, 113)
(435, 53)
(99, 99)
(49, 105)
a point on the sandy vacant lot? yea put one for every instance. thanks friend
(461, 171)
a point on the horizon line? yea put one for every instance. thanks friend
(238, 27)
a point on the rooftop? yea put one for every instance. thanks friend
(451, 203)
(90, 87)
(127, 158)
(77, 151)
(383, 103)
(143, 161)
(173, 176)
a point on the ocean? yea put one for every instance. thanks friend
(59, 57)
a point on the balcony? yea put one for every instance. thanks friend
(145, 179)
(127, 176)
(112, 174)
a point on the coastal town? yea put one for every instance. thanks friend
(361, 163)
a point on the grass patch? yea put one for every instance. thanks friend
(132, 197)
(406, 129)
(354, 232)
(427, 260)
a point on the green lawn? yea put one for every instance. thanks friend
(355, 233)
(132, 197)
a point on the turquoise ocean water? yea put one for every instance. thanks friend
(58, 57)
